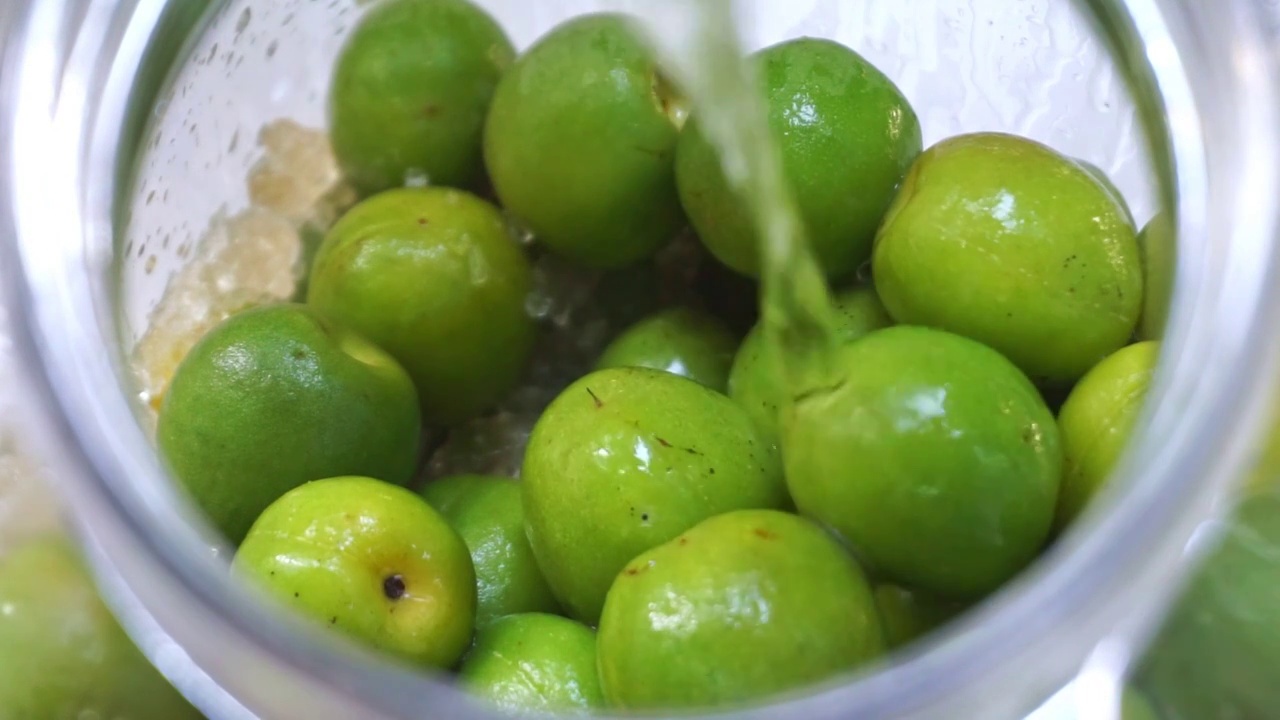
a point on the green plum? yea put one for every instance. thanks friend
(432, 275)
(1135, 706)
(1096, 420)
(682, 341)
(626, 459)
(846, 136)
(935, 457)
(535, 662)
(371, 560)
(1158, 244)
(310, 238)
(1005, 241)
(756, 382)
(410, 92)
(580, 143)
(742, 606)
(909, 615)
(1109, 185)
(1217, 652)
(1264, 474)
(278, 396)
(63, 654)
(487, 513)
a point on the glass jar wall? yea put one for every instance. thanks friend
(181, 159)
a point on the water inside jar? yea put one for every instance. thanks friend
(796, 308)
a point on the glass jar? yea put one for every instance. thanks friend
(131, 128)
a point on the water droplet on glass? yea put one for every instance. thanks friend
(416, 178)
(562, 316)
(518, 232)
(863, 274)
(537, 305)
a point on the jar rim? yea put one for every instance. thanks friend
(1210, 73)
